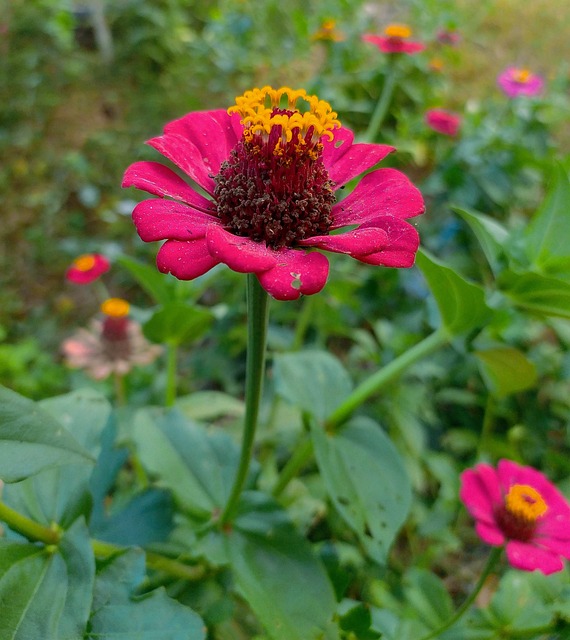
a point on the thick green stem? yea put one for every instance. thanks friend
(386, 375)
(491, 562)
(29, 528)
(171, 360)
(257, 317)
(383, 103)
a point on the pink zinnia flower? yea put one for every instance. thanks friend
(443, 121)
(518, 506)
(520, 82)
(270, 172)
(449, 37)
(114, 344)
(395, 40)
(87, 268)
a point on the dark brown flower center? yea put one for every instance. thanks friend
(275, 190)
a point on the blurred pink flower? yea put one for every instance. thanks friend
(270, 170)
(518, 506)
(520, 82)
(443, 121)
(112, 345)
(395, 40)
(87, 268)
(450, 37)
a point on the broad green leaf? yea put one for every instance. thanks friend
(366, 481)
(277, 573)
(314, 381)
(428, 597)
(178, 323)
(31, 439)
(209, 405)
(44, 593)
(547, 235)
(506, 370)
(461, 303)
(156, 284)
(61, 494)
(119, 615)
(492, 236)
(543, 295)
(197, 465)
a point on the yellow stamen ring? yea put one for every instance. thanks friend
(257, 107)
(115, 307)
(85, 262)
(525, 503)
(397, 31)
(521, 75)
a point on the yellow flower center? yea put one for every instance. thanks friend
(85, 262)
(522, 76)
(263, 109)
(115, 308)
(525, 503)
(397, 31)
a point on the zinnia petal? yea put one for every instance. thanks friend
(402, 244)
(294, 274)
(185, 260)
(161, 181)
(358, 242)
(350, 160)
(561, 547)
(166, 219)
(490, 533)
(380, 193)
(238, 253)
(479, 493)
(529, 557)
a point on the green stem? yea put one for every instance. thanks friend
(295, 463)
(386, 375)
(153, 560)
(120, 390)
(303, 321)
(383, 103)
(171, 364)
(29, 528)
(491, 562)
(257, 317)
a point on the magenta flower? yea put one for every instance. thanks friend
(520, 82)
(443, 121)
(518, 506)
(270, 172)
(449, 37)
(87, 268)
(395, 40)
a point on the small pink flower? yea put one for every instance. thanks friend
(443, 121)
(518, 506)
(395, 40)
(270, 171)
(87, 268)
(449, 37)
(112, 345)
(520, 82)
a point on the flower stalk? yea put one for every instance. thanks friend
(383, 103)
(257, 319)
(171, 367)
(29, 528)
(494, 557)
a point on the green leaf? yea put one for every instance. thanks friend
(62, 494)
(314, 381)
(543, 295)
(46, 593)
(119, 615)
(506, 370)
(277, 573)
(428, 597)
(178, 323)
(492, 236)
(196, 465)
(156, 284)
(546, 237)
(366, 481)
(209, 405)
(31, 439)
(461, 303)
